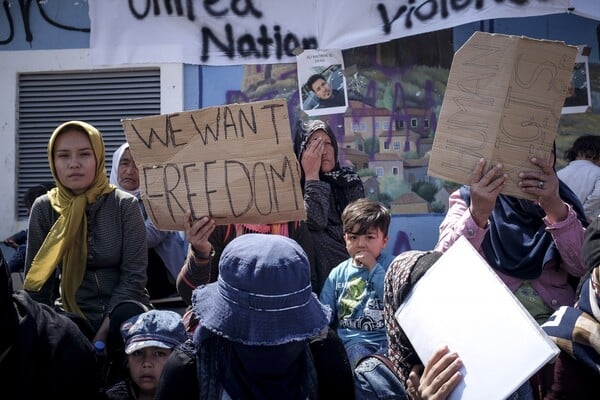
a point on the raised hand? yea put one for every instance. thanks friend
(485, 188)
(311, 158)
(197, 232)
(543, 183)
(440, 377)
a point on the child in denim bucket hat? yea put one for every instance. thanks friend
(149, 340)
(255, 327)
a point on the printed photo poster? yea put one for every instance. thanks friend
(321, 82)
(579, 96)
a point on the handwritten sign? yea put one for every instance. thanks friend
(234, 163)
(503, 102)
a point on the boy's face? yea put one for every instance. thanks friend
(364, 249)
(146, 365)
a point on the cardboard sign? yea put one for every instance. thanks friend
(234, 163)
(503, 103)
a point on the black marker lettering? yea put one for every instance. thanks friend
(259, 174)
(189, 194)
(150, 175)
(208, 128)
(207, 191)
(171, 171)
(282, 177)
(249, 123)
(172, 131)
(229, 164)
(229, 122)
(148, 138)
(272, 107)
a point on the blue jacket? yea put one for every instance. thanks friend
(171, 246)
(373, 380)
(16, 262)
(355, 296)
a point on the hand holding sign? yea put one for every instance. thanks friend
(502, 103)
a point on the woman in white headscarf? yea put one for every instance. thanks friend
(166, 249)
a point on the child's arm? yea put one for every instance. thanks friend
(328, 297)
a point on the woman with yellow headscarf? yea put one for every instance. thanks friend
(84, 235)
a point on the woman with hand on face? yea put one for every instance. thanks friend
(85, 235)
(327, 188)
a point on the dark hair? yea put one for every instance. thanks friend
(365, 214)
(313, 79)
(34, 192)
(586, 146)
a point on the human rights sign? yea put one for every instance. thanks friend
(503, 103)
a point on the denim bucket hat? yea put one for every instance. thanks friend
(158, 328)
(263, 295)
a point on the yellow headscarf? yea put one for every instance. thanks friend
(67, 239)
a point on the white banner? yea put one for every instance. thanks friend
(225, 32)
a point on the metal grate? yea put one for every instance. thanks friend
(101, 98)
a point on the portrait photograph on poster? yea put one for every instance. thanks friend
(579, 97)
(321, 82)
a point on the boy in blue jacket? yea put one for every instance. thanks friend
(354, 288)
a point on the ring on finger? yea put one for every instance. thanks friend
(541, 184)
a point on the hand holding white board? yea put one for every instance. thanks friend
(461, 302)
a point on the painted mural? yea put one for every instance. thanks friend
(395, 92)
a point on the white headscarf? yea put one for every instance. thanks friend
(114, 170)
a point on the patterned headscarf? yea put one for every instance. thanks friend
(67, 239)
(576, 330)
(339, 177)
(402, 274)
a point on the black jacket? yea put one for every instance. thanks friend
(42, 354)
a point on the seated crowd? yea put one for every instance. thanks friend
(272, 312)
